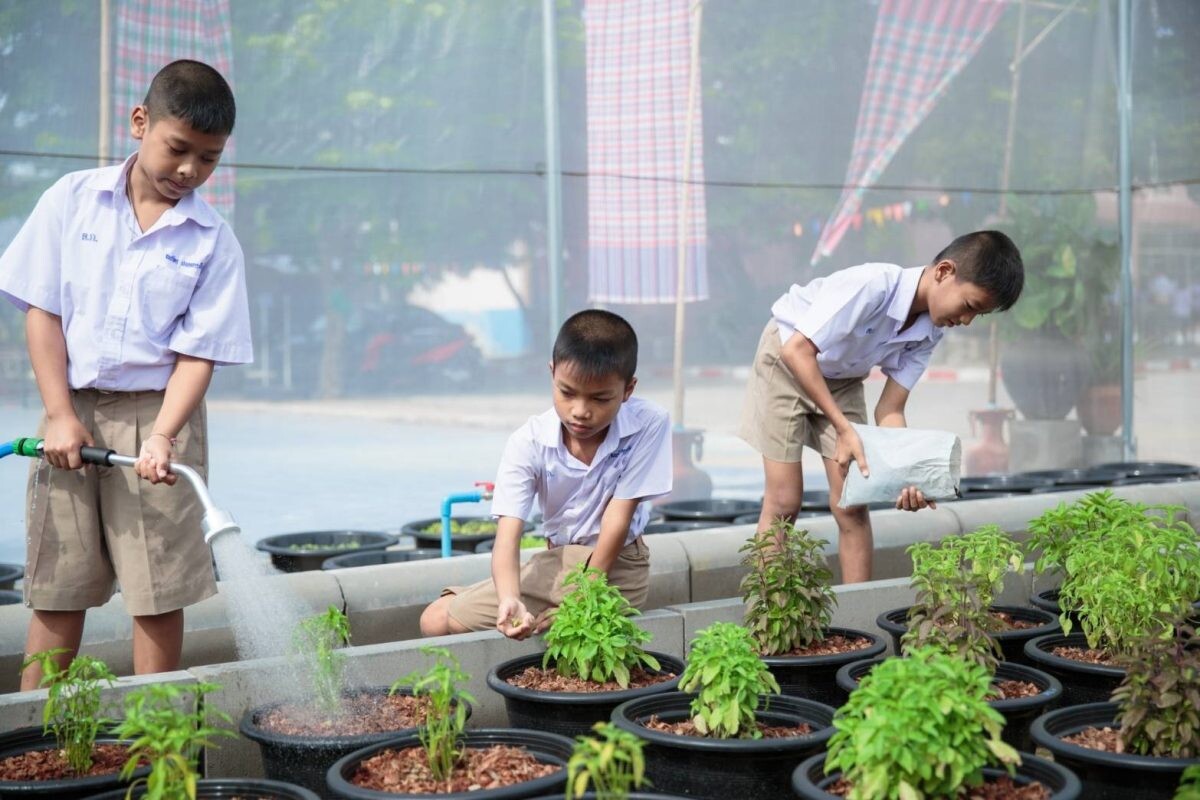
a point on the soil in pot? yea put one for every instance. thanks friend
(1017, 626)
(31, 766)
(1087, 676)
(51, 765)
(301, 552)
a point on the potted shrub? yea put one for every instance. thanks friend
(986, 555)
(789, 604)
(726, 734)
(593, 662)
(442, 758)
(1139, 745)
(607, 765)
(74, 753)
(169, 725)
(299, 740)
(301, 552)
(920, 727)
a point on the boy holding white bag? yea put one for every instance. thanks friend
(806, 385)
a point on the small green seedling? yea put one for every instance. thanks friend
(446, 713)
(789, 601)
(168, 725)
(918, 727)
(73, 707)
(1189, 784)
(724, 669)
(1158, 701)
(593, 636)
(317, 641)
(610, 762)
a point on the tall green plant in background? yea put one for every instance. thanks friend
(789, 601)
(1052, 533)
(317, 641)
(168, 725)
(593, 636)
(610, 762)
(446, 715)
(918, 727)
(729, 679)
(73, 705)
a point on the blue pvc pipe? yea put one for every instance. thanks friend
(461, 497)
(6, 449)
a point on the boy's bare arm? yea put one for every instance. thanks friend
(65, 434)
(799, 355)
(614, 529)
(185, 389)
(889, 411)
(512, 618)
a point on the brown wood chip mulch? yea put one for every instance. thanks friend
(996, 789)
(407, 770)
(548, 680)
(1009, 690)
(1106, 739)
(1086, 655)
(831, 645)
(1016, 623)
(361, 714)
(51, 764)
(688, 728)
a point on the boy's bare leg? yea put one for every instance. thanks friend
(856, 544)
(157, 642)
(49, 630)
(436, 619)
(782, 492)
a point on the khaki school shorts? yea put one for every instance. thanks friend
(779, 419)
(87, 528)
(474, 607)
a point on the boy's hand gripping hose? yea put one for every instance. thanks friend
(215, 521)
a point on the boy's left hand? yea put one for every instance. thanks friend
(913, 499)
(154, 461)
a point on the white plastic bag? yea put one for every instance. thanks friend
(901, 457)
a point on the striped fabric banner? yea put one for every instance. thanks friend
(638, 61)
(151, 34)
(918, 48)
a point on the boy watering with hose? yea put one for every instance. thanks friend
(133, 288)
(592, 462)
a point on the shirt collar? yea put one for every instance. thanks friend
(190, 207)
(902, 300)
(547, 428)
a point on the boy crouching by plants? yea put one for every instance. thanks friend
(591, 462)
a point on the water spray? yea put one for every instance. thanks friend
(215, 521)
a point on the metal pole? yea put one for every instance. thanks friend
(685, 199)
(553, 164)
(104, 139)
(1124, 115)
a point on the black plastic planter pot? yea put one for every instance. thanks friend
(630, 796)
(10, 574)
(1106, 776)
(1012, 642)
(1019, 712)
(568, 713)
(486, 547)
(10, 597)
(301, 552)
(1001, 483)
(809, 780)
(815, 677)
(24, 740)
(305, 759)
(1090, 477)
(1081, 682)
(418, 529)
(549, 748)
(684, 525)
(719, 510)
(1157, 469)
(721, 769)
(232, 789)
(1047, 601)
(373, 558)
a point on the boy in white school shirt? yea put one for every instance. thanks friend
(806, 385)
(133, 288)
(592, 462)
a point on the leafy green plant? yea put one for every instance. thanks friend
(728, 677)
(918, 727)
(168, 725)
(954, 621)
(610, 761)
(316, 642)
(985, 555)
(789, 601)
(73, 706)
(592, 635)
(1052, 533)
(472, 527)
(1159, 699)
(446, 713)
(1189, 784)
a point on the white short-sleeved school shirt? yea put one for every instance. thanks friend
(633, 461)
(129, 301)
(854, 318)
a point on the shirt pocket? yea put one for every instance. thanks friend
(166, 291)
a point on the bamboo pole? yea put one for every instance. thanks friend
(104, 140)
(685, 198)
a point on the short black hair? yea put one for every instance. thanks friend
(599, 344)
(195, 93)
(991, 260)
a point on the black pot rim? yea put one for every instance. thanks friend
(37, 737)
(371, 540)
(1089, 715)
(415, 528)
(11, 572)
(476, 737)
(625, 716)
(497, 683)
(1038, 651)
(877, 645)
(887, 621)
(681, 510)
(1050, 688)
(1072, 787)
(331, 562)
(284, 789)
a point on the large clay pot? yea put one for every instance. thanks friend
(1099, 409)
(1043, 375)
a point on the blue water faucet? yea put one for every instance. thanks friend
(462, 497)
